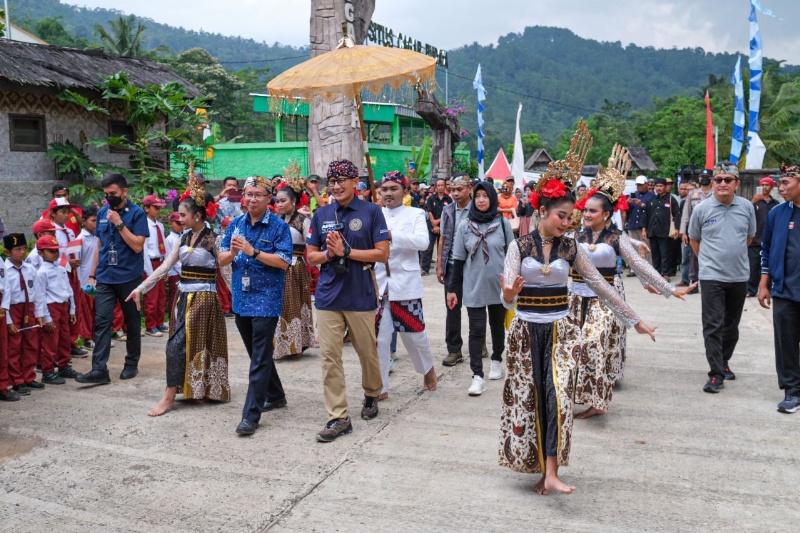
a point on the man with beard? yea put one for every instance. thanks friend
(400, 285)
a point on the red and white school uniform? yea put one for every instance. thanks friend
(84, 302)
(172, 240)
(65, 235)
(54, 303)
(5, 380)
(19, 301)
(155, 300)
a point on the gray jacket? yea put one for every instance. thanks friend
(447, 230)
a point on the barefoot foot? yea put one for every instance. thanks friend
(554, 483)
(590, 412)
(430, 380)
(539, 488)
(162, 406)
(383, 396)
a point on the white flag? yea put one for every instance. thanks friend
(518, 159)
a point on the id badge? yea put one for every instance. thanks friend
(112, 258)
(245, 283)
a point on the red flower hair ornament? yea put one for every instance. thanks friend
(554, 188)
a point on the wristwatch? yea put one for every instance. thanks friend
(256, 251)
(120, 226)
(346, 249)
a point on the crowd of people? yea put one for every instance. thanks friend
(295, 265)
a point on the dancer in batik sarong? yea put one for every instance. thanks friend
(603, 335)
(536, 421)
(197, 348)
(295, 331)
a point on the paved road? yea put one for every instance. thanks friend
(666, 458)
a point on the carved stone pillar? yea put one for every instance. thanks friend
(333, 129)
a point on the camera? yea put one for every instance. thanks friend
(341, 265)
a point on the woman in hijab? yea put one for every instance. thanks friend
(479, 250)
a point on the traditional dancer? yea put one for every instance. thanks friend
(197, 348)
(603, 335)
(400, 285)
(536, 422)
(295, 331)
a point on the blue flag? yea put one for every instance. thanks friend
(477, 84)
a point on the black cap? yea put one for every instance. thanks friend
(12, 240)
(59, 187)
(706, 172)
(313, 178)
(660, 181)
(200, 178)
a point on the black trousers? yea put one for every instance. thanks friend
(426, 256)
(542, 369)
(452, 324)
(754, 255)
(477, 334)
(661, 252)
(258, 333)
(105, 300)
(786, 322)
(675, 256)
(722, 304)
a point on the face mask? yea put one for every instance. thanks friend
(705, 182)
(114, 201)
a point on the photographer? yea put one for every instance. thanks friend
(347, 238)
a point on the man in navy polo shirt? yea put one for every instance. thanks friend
(347, 237)
(121, 232)
(259, 246)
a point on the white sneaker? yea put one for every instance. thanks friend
(477, 387)
(497, 370)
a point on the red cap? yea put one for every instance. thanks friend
(43, 224)
(46, 242)
(175, 217)
(57, 203)
(153, 199)
(766, 181)
(226, 222)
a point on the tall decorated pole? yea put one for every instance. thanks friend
(755, 147)
(738, 113)
(477, 84)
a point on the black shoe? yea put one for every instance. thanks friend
(128, 372)
(246, 427)
(729, 375)
(9, 395)
(67, 372)
(630, 274)
(51, 378)
(99, 377)
(22, 390)
(229, 315)
(78, 352)
(713, 385)
(34, 385)
(370, 408)
(277, 404)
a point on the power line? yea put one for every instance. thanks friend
(262, 60)
(530, 96)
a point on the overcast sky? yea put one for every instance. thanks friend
(715, 25)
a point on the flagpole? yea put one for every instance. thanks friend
(8, 21)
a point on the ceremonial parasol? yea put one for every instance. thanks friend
(347, 71)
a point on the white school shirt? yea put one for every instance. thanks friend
(173, 239)
(63, 236)
(88, 249)
(13, 292)
(151, 242)
(34, 259)
(52, 287)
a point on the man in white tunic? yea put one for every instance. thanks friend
(400, 288)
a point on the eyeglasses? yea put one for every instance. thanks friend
(726, 180)
(338, 181)
(255, 196)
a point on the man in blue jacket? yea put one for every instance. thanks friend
(780, 264)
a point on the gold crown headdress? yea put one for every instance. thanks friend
(610, 181)
(568, 170)
(194, 189)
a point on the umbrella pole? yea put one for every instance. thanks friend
(370, 173)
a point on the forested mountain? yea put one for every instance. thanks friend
(556, 75)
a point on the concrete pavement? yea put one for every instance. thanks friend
(667, 457)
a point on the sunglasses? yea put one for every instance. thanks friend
(726, 180)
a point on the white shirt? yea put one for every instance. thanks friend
(172, 240)
(151, 242)
(34, 259)
(409, 236)
(64, 235)
(88, 250)
(51, 287)
(13, 292)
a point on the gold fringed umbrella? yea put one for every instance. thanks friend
(347, 71)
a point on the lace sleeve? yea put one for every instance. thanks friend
(603, 289)
(511, 270)
(644, 270)
(162, 271)
(306, 227)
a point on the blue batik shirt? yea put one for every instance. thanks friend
(271, 235)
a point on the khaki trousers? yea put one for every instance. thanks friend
(361, 325)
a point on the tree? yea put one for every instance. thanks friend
(530, 143)
(126, 40)
(2, 22)
(163, 122)
(674, 134)
(52, 31)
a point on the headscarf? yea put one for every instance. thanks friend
(475, 217)
(396, 176)
(483, 216)
(343, 168)
(790, 171)
(726, 167)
